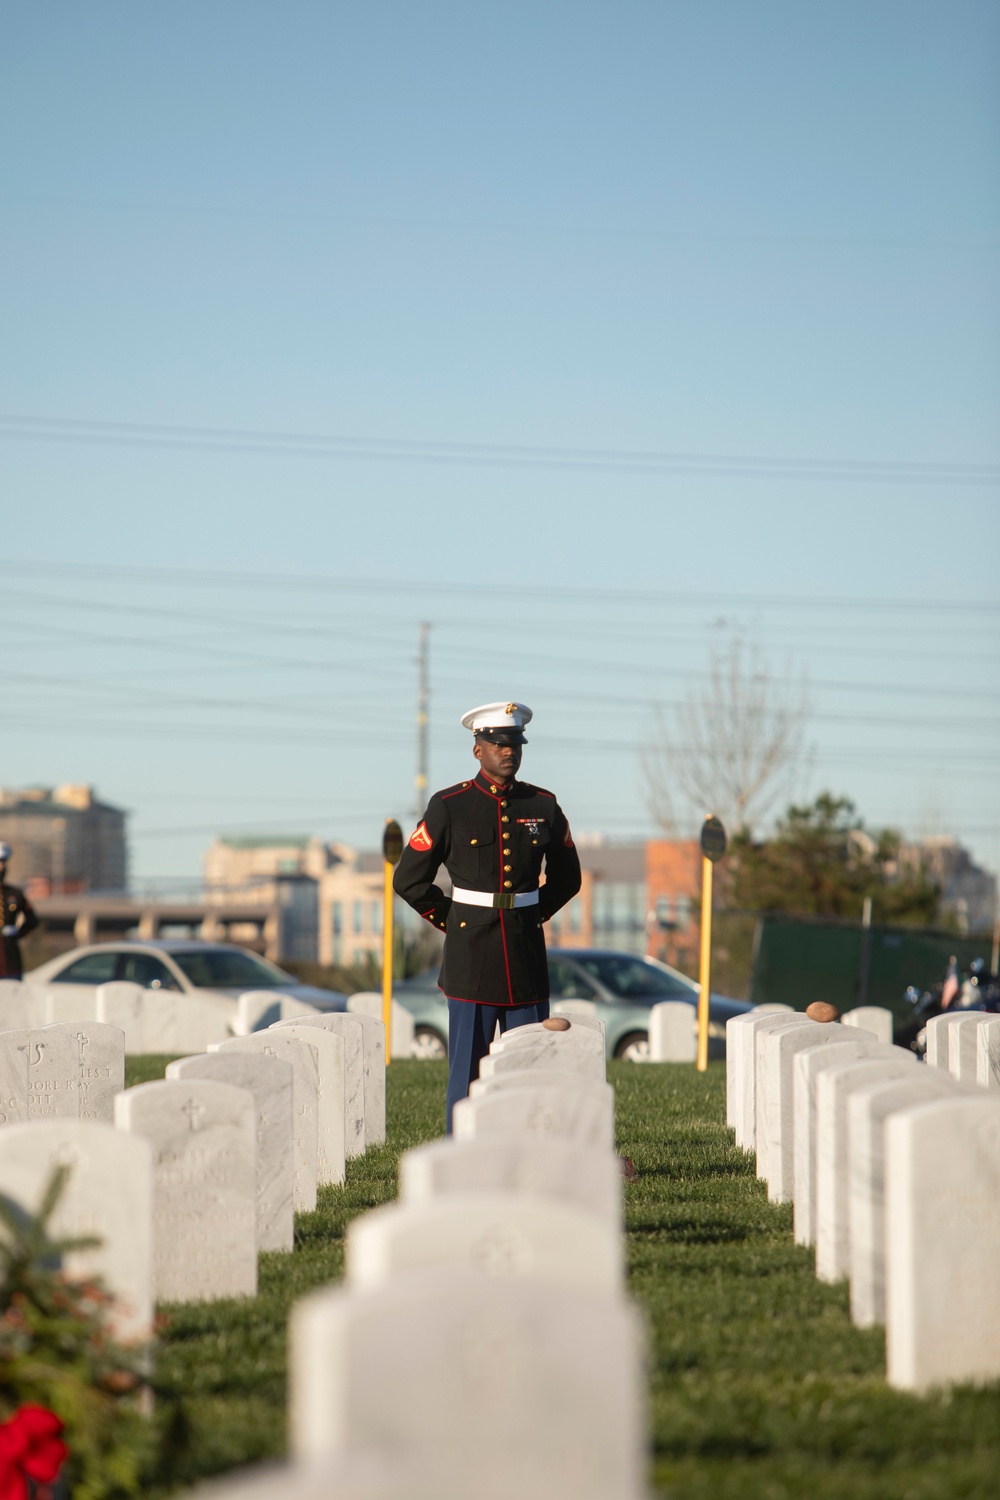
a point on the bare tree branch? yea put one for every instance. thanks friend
(734, 747)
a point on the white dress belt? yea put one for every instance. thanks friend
(502, 899)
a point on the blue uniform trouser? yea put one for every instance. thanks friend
(470, 1032)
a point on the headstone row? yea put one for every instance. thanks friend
(893, 1169)
(187, 1179)
(481, 1345)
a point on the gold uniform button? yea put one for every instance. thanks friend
(492, 788)
(461, 924)
(505, 819)
(503, 802)
(534, 841)
(473, 841)
(506, 885)
(507, 868)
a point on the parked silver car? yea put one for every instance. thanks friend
(187, 965)
(623, 987)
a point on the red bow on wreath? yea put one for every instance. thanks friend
(30, 1448)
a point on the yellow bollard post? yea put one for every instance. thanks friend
(713, 847)
(392, 848)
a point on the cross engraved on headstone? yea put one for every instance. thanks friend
(194, 1111)
(82, 1040)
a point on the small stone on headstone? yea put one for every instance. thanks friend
(822, 1012)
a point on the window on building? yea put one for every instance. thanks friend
(575, 913)
(359, 925)
(375, 917)
(338, 918)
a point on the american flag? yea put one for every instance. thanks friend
(950, 989)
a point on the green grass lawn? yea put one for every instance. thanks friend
(760, 1388)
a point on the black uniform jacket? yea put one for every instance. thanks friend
(491, 838)
(17, 911)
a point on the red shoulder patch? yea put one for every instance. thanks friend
(421, 839)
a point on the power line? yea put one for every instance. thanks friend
(492, 455)
(553, 594)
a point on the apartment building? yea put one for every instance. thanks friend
(330, 893)
(65, 840)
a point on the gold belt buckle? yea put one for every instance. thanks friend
(504, 900)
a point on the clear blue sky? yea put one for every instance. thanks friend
(722, 230)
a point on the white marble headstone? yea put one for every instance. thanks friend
(351, 1030)
(942, 1174)
(579, 1013)
(70, 1002)
(539, 1168)
(97, 1065)
(776, 1050)
(673, 1032)
(330, 1117)
(164, 1021)
(586, 1038)
(269, 1080)
(937, 1037)
(542, 1053)
(500, 1234)
(374, 1064)
(108, 1195)
(304, 1060)
(868, 1107)
(962, 1045)
(453, 1361)
(204, 1186)
(579, 1114)
(874, 1018)
(258, 1009)
(542, 1078)
(741, 1067)
(805, 1070)
(833, 1089)
(988, 1054)
(22, 1006)
(369, 1003)
(45, 1066)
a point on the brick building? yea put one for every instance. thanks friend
(641, 896)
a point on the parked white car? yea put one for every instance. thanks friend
(188, 966)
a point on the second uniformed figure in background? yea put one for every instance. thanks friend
(493, 834)
(18, 920)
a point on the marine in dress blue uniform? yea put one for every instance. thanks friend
(494, 835)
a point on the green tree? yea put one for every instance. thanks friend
(821, 861)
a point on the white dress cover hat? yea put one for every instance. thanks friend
(498, 719)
